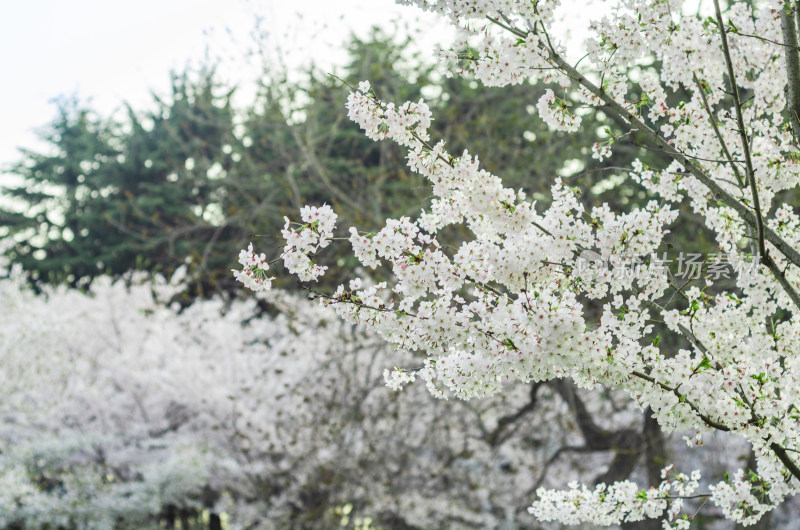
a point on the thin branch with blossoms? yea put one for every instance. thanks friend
(713, 122)
(745, 142)
(791, 253)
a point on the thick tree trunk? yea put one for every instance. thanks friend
(655, 460)
(790, 50)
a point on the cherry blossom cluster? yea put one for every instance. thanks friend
(512, 302)
(743, 498)
(554, 113)
(620, 502)
(398, 123)
(253, 275)
(395, 379)
(301, 243)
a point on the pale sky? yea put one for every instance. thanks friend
(109, 51)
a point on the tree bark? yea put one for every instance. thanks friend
(655, 461)
(792, 64)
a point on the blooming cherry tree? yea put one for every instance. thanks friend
(153, 412)
(717, 97)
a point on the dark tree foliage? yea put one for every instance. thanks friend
(116, 196)
(192, 180)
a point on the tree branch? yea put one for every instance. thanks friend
(792, 254)
(626, 443)
(789, 27)
(737, 104)
(708, 421)
(496, 437)
(785, 459)
(717, 132)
